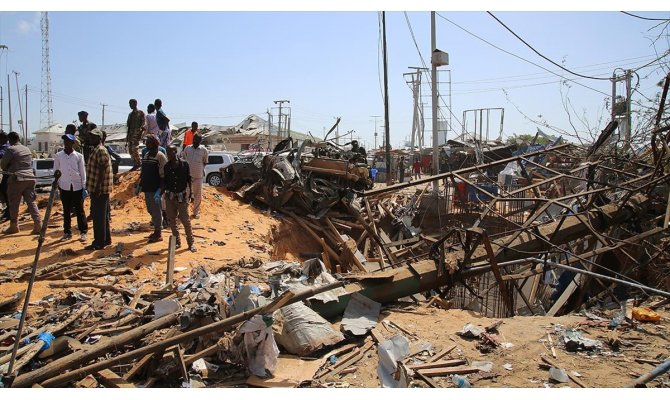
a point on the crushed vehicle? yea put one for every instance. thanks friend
(311, 177)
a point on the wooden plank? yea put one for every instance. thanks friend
(316, 237)
(533, 289)
(100, 286)
(88, 382)
(426, 379)
(342, 361)
(449, 371)
(376, 335)
(441, 354)
(325, 258)
(111, 380)
(169, 277)
(137, 367)
(28, 355)
(341, 366)
(179, 356)
(437, 364)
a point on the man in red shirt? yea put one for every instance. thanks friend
(417, 169)
(188, 136)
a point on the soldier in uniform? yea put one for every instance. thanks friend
(84, 130)
(136, 126)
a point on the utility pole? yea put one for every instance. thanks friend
(269, 129)
(386, 104)
(2, 104)
(9, 98)
(375, 117)
(433, 84)
(621, 109)
(337, 132)
(25, 120)
(18, 96)
(280, 102)
(103, 114)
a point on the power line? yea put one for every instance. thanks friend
(608, 66)
(519, 57)
(648, 19)
(541, 55)
(650, 63)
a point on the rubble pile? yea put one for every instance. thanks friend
(554, 230)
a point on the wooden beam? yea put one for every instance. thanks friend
(449, 371)
(169, 276)
(437, 364)
(441, 354)
(111, 380)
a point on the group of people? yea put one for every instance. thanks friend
(170, 180)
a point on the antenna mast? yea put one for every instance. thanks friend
(46, 108)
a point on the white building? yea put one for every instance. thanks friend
(48, 140)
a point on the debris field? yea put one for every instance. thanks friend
(546, 268)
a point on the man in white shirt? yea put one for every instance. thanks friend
(196, 157)
(152, 125)
(70, 172)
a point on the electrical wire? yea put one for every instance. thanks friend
(606, 66)
(541, 55)
(652, 62)
(521, 58)
(645, 18)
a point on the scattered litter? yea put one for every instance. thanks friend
(558, 375)
(574, 341)
(645, 314)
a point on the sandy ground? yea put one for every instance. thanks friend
(528, 336)
(226, 231)
(229, 230)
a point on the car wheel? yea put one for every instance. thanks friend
(214, 179)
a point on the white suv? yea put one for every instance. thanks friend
(215, 161)
(44, 171)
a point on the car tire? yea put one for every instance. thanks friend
(214, 179)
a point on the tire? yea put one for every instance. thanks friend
(214, 179)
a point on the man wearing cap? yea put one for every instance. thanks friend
(99, 185)
(70, 172)
(84, 135)
(136, 126)
(18, 161)
(3, 183)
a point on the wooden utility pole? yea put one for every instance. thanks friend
(387, 135)
(103, 114)
(433, 84)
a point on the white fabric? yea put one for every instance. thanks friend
(196, 159)
(72, 169)
(261, 348)
(152, 125)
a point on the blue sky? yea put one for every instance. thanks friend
(218, 67)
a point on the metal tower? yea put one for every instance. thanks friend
(46, 108)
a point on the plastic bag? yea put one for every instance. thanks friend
(645, 314)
